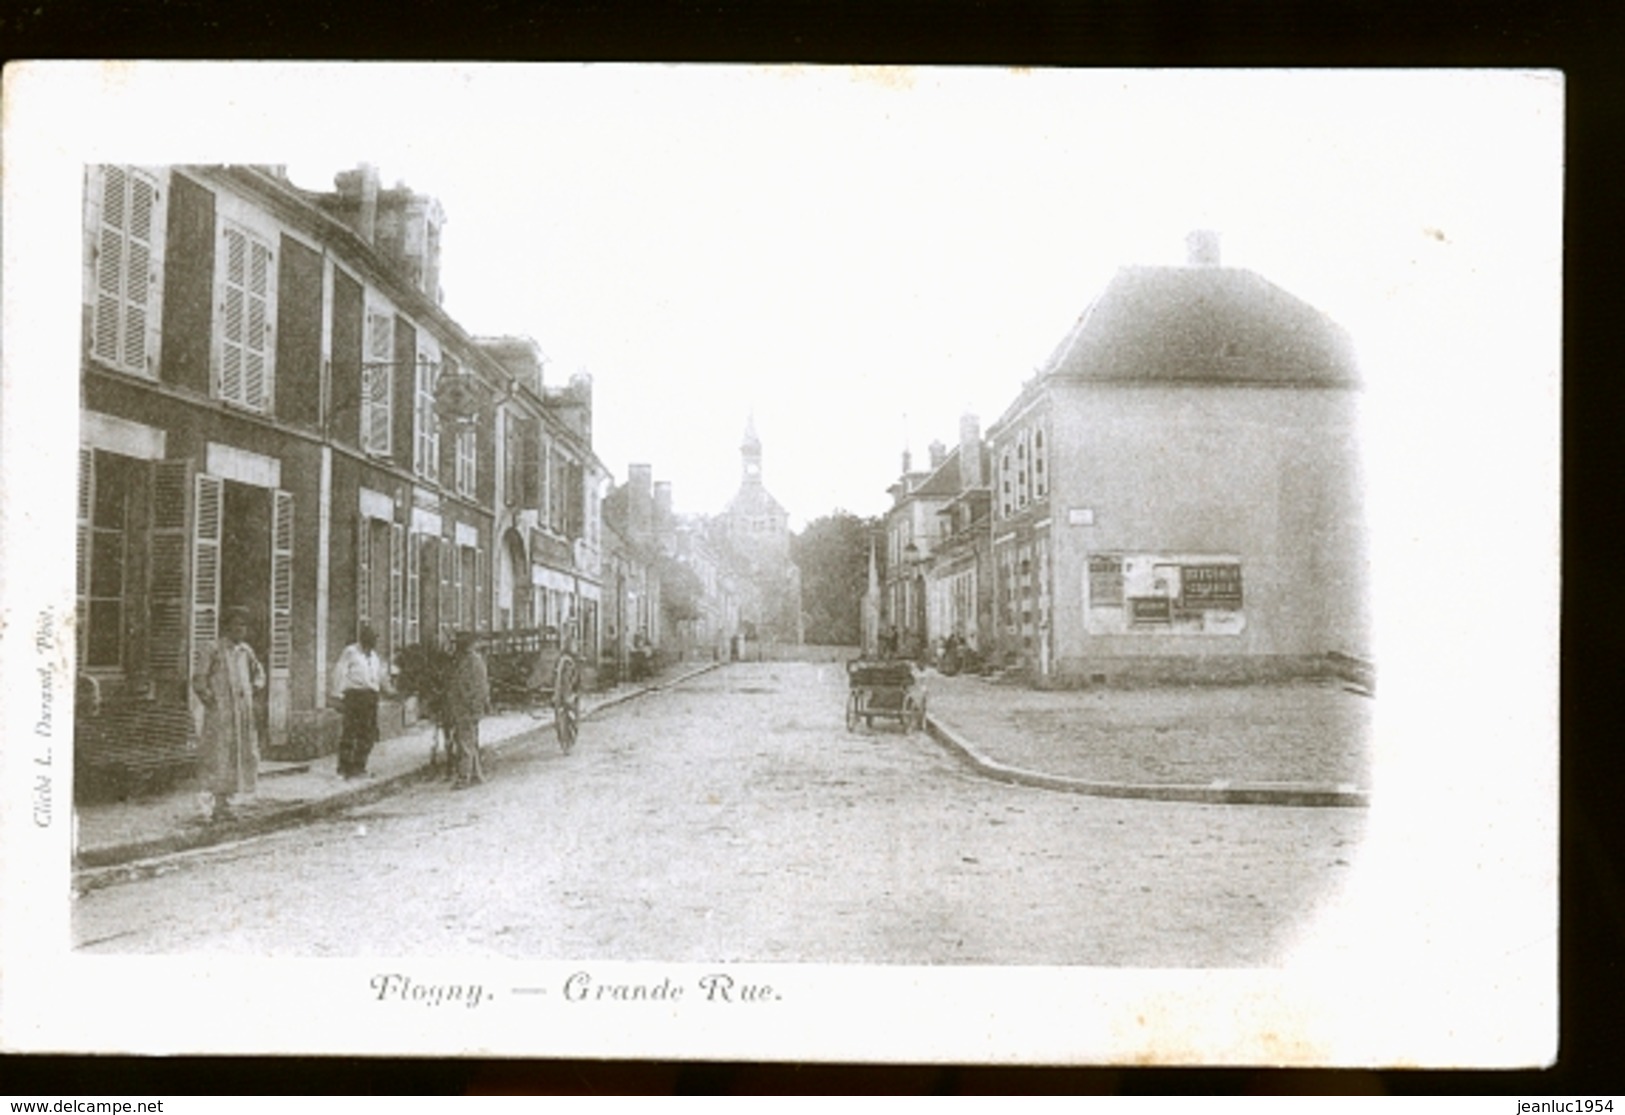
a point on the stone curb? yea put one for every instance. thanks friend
(1216, 793)
(100, 866)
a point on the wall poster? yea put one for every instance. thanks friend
(1163, 594)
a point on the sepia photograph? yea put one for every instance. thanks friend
(782, 562)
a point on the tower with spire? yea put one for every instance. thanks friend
(750, 455)
(757, 529)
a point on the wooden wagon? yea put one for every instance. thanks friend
(538, 671)
(880, 690)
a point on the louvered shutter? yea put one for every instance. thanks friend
(448, 587)
(379, 379)
(137, 271)
(87, 478)
(413, 595)
(397, 545)
(257, 335)
(166, 624)
(482, 602)
(281, 583)
(363, 571)
(280, 666)
(210, 505)
(233, 317)
(110, 263)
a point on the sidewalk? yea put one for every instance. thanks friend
(1292, 744)
(118, 833)
(1304, 743)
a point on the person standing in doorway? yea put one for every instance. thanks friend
(357, 679)
(227, 685)
(468, 697)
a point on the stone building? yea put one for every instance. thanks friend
(1176, 494)
(277, 414)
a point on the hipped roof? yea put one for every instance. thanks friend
(1197, 324)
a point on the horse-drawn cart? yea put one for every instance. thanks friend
(538, 672)
(887, 689)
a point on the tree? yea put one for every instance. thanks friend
(680, 590)
(833, 554)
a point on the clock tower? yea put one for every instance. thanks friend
(750, 454)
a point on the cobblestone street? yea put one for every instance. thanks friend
(732, 818)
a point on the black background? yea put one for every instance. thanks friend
(1586, 41)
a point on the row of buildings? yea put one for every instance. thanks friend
(278, 415)
(1174, 495)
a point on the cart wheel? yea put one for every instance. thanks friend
(852, 712)
(566, 702)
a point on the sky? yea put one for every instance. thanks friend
(856, 258)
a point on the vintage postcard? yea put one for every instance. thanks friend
(782, 563)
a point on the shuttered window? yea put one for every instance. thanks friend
(246, 319)
(467, 460)
(427, 456)
(126, 263)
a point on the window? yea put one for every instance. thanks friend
(104, 510)
(1006, 468)
(247, 291)
(378, 381)
(125, 264)
(466, 557)
(512, 455)
(1040, 483)
(427, 457)
(467, 460)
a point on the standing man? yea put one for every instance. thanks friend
(227, 684)
(468, 697)
(357, 679)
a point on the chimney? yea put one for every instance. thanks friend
(970, 452)
(662, 503)
(640, 501)
(359, 187)
(939, 453)
(1202, 248)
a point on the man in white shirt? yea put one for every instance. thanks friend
(357, 679)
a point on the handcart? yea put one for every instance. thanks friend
(881, 690)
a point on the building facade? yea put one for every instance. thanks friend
(278, 416)
(1176, 495)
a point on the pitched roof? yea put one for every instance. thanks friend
(944, 480)
(753, 499)
(1203, 325)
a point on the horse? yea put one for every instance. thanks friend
(425, 673)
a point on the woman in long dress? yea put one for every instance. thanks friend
(227, 684)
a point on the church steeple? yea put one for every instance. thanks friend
(750, 454)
